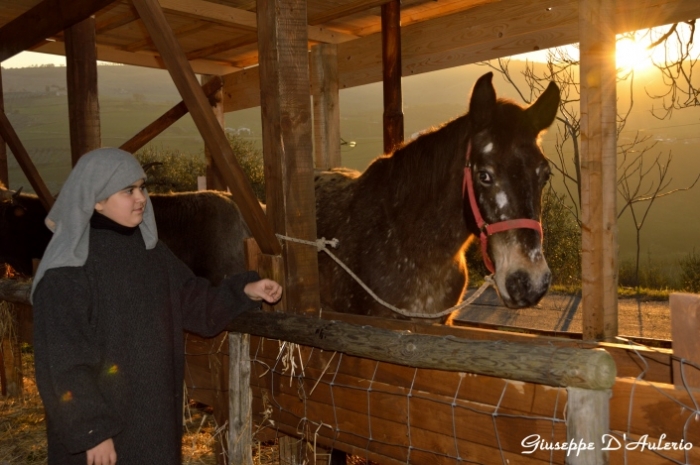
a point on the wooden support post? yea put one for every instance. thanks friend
(214, 180)
(181, 71)
(325, 91)
(391, 65)
(685, 327)
(267, 266)
(4, 170)
(167, 119)
(240, 433)
(8, 133)
(598, 169)
(587, 423)
(10, 352)
(81, 75)
(287, 144)
(240, 439)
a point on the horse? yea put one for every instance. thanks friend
(404, 224)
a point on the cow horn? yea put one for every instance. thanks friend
(6, 194)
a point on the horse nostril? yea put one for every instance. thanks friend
(547, 280)
(517, 285)
(522, 291)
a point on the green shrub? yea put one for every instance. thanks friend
(562, 240)
(175, 171)
(690, 272)
(171, 170)
(475, 263)
(650, 276)
(251, 160)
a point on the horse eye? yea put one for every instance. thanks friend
(485, 177)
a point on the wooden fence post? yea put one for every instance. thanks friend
(10, 353)
(587, 423)
(4, 173)
(240, 444)
(685, 327)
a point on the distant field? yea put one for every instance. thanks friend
(130, 98)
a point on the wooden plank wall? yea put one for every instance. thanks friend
(396, 414)
(4, 172)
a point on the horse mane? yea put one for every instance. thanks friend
(421, 166)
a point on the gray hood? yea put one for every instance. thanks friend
(96, 176)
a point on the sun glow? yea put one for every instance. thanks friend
(632, 55)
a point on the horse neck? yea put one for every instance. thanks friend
(426, 178)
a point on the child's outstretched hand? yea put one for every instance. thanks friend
(265, 289)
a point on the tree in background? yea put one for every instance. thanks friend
(642, 176)
(170, 170)
(675, 68)
(690, 272)
(561, 243)
(251, 160)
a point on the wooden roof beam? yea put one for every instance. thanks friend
(147, 59)
(345, 10)
(8, 133)
(495, 30)
(213, 134)
(167, 119)
(183, 31)
(243, 19)
(116, 21)
(485, 32)
(46, 19)
(222, 14)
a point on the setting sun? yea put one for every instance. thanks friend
(632, 54)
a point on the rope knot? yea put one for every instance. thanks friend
(323, 242)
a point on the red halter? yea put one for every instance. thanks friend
(489, 229)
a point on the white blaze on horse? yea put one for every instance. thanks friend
(403, 225)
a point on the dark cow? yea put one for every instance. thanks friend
(23, 235)
(189, 223)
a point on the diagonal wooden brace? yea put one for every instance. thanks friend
(184, 78)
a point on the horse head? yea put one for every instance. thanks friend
(505, 173)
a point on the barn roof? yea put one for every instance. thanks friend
(220, 36)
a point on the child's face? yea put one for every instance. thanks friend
(126, 206)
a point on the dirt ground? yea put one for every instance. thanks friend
(563, 313)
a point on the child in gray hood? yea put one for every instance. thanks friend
(111, 303)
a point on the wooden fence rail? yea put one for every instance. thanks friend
(588, 374)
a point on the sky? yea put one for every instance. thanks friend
(27, 59)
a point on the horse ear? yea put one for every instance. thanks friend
(544, 110)
(483, 102)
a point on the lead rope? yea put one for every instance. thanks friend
(321, 244)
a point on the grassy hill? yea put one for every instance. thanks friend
(132, 97)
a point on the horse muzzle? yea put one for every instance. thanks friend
(523, 288)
